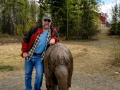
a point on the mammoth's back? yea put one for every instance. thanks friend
(58, 54)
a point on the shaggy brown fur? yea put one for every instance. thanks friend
(58, 65)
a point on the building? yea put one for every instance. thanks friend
(103, 19)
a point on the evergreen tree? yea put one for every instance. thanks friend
(87, 25)
(118, 24)
(59, 14)
(44, 7)
(113, 29)
(73, 18)
(17, 16)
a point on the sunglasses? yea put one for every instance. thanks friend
(47, 20)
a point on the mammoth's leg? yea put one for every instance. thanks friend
(70, 73)
(52, 82)
(55, 87)
(61, 74)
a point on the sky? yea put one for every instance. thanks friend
(107, 7)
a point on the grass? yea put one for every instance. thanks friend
(10, 58)
(6, 68)
(116, 61)
(88, 56)
(4, 35)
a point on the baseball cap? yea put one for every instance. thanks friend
(47, 16)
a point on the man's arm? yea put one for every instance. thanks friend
(25, 42)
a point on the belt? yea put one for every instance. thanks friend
(36, 54)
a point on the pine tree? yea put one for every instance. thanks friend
(113, 29)
(87, 25)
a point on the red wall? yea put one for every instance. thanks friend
(103, 17)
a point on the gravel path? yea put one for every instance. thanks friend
(14, 81)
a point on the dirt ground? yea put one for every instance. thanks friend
(92, 66)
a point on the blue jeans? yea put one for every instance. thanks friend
(35, 61)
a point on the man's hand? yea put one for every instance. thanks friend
(25, 54)
(52, 41)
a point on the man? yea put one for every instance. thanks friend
(34, 45)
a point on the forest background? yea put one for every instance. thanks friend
(74, 19)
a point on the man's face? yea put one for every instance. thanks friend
(46, 23)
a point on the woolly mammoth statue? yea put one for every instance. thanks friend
(58, 66)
